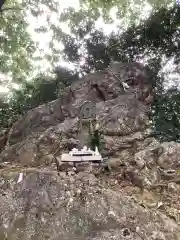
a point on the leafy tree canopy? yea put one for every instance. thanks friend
(16, 46)
(131, 10)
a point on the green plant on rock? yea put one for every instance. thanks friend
(95, 135)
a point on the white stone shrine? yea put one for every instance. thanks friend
(87, 113)
(84, 155)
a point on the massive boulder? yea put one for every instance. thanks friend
(134, 196)
(123, 116)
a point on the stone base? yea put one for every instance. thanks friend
(78, 167)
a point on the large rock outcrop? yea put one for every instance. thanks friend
(135, 196)
(122, 114)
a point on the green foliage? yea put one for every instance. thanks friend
(130, 10)
(16, 46)
(95, 135)
(95, 140)
(41, 90)
(152, 39)
(166, 116)
(32, 94)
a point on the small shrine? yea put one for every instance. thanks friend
(83, 155)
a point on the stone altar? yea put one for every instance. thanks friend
(84, 155)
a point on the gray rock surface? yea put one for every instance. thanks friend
(134, 196)
(122, 116)
(47, 206)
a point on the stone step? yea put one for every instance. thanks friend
(67, 158)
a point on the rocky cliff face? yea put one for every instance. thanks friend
(122, 114)
(134, 197)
